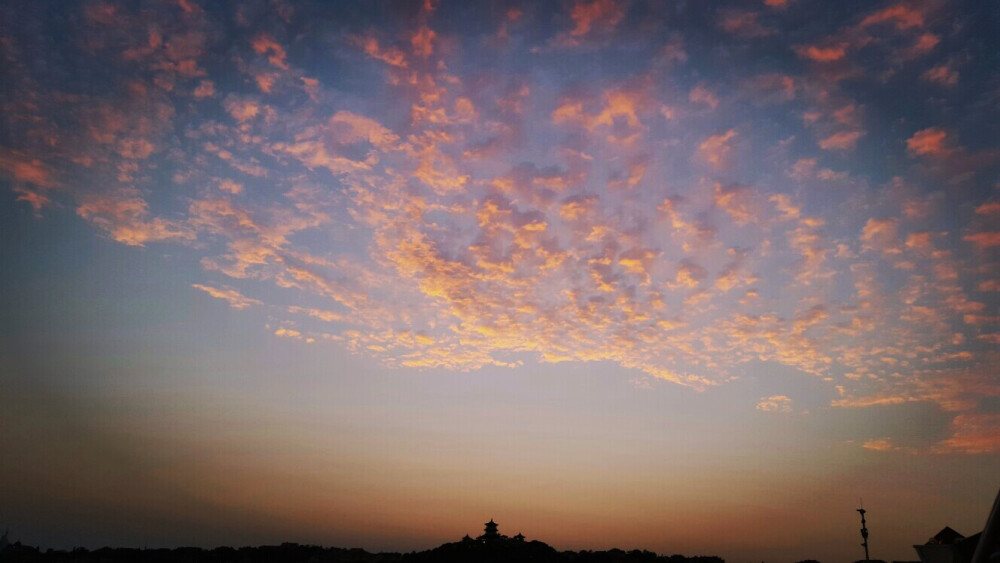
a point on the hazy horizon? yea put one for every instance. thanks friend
(692, 277)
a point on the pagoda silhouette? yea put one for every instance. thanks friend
(492, 534)
(489, 547)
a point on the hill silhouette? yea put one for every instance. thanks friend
(491, 547)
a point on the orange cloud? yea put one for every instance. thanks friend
(339, 145)
(879, 445)
(783, 204)
(321, 314)
(230, 186)
(715, 149)
(775, 403)
(391, 56)
(882, 235)
(124, 215)
(439, 170)
(235, 299)
(972, 434)
(737, 201)
(288, 333)
(929, 142)
(578, 207)
(689, 274)
(620, 113)
(842, 140)
(347, 128)
(472, 262)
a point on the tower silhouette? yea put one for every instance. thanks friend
(864, 530)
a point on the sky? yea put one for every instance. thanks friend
(693, 277)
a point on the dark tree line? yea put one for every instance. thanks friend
(464, 552)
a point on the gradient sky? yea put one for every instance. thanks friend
(684, 276)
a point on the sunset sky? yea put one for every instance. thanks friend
(686, 276)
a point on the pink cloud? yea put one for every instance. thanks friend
(242, 109)
(986, 239)
(23, 169)
(391, 56)
(841, 140)
(822, 54)
(701, 95)
(925, 43)
(771, 88)
(32, 179)
(265, 82)
(423, 42)
(989, 285)
(743, 24)
(903, 16)
(942, 74)
(138, 149)
(922, 242)
(929, 142)
(36, 199)
(989, 208)
(599, 14)
(265, 44)
(205, 89)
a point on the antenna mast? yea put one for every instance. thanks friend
(864, 530)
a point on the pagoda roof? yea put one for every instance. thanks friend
(946, 536)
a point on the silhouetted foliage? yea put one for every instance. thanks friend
(467, 551)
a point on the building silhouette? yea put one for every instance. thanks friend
(491, 533)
